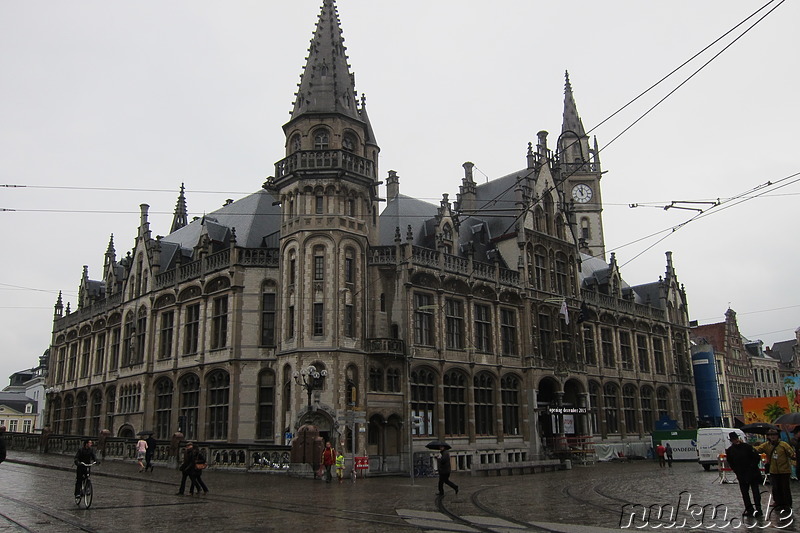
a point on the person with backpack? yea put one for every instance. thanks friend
(779, 467)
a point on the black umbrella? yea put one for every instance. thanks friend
(759, 428)
(789, 419)
(438, 445)
(145, 432)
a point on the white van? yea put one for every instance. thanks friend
(713, 441)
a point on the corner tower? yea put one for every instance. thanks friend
(327, 187)
(580, 168)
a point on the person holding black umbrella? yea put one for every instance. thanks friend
(444, 471)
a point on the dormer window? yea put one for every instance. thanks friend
(321, 140)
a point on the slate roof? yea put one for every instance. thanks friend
(254, 218)
(784, 350)
(17, 401)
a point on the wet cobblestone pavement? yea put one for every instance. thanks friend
(35, 495)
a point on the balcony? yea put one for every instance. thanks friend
(311, 160)
(386, 347)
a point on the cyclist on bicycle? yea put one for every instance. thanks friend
(85, 454)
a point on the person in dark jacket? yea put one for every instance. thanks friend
(197, 474)
(85, 454)
(187, 466)
(2, 443)
(743, 460)
(149, 453)
(444, 471)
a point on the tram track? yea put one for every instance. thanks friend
(60, 517)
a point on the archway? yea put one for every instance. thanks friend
(323, 421)
(548, 398)
(126, 432)
(574, 403)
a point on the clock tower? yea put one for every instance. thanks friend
(581, 172)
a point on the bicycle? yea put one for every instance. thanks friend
(86, 487)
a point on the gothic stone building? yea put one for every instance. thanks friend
(476, 320)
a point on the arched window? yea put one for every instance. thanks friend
(648, 420)
(351, 386)
(190, 402)
(629, 408)
(141, 330)
(509, 392)
(294, 144)
(219, 383)
(375, 379)
(455, 403)
(163, 409)
(423, 400)
(268, 314)
(687, 409)
(128, 341)
(55, 417)
(662, 402)
(540, 268)
(585, 229)
(69, 408)
(81, 408)
(266, 405)
(484, 404)
(611, 404)
(321, 140)
(393, 380)
(111, 402)
(97, 406)
(561, 274)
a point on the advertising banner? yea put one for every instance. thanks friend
(682, 450)
(791, 384)
(764, 409)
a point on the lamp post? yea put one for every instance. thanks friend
(310, 379)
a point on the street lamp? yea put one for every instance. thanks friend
(310, 379)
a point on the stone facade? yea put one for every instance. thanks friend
(491, 321)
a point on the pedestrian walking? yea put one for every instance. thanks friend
(444, 471)
(328, 460)
(660, 452)
(668, 453)
(2, 443)
(196, 475)
(779, 459)
(141, 450)
(85, 454)
(744, 460)
(340, 466)
(189, 456)
(149, 453)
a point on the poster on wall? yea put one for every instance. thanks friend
(569, 424)
(791, 385)
(764, 409)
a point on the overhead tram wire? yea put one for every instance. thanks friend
(704, 65)
(723, 205)
(519, 216)
(676, 69)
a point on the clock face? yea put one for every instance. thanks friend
(581, 193)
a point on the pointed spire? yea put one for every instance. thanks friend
(326, 85)
(571, 121)
(110, 250)
(180, 218)
(59, 307)
(363, 113)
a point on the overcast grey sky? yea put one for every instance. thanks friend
(148, 94)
